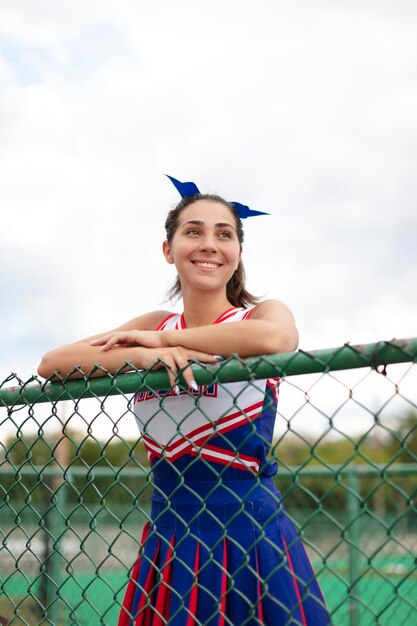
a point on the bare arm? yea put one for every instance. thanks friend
(84, 356)
(270, 329)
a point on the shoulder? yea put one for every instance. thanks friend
(271, 309)
(280, 322)
(147, 321)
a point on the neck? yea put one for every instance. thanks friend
(204, 308)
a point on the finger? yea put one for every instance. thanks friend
(181, 364)
(110, 343)
(186, 370)
(100, 341)
(204, 356)
(118, 339)
(169, 365)
(104, 340)
(188, 375)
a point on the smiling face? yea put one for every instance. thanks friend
(205, 247)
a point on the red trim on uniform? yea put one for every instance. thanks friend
(212, 453)
(164, 322)
(259, 606)
(212, 428)
(223, 588)
(206, 432)
(181, 325)
(125, 618)
(295, 582)
(239, 461)
(248, 313)
(226, 429)
(214, 425)
(226, 314)
(192, 614)
(163, 594)
(143, 614)
(203, 391)
(273, 384)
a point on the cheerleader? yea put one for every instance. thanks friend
(219, 549)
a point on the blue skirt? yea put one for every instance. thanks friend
(221, 555)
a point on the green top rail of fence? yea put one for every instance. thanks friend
(373, 355)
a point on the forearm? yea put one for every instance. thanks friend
(246, 338)
(81, 358)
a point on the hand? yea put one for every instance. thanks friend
(174, 359)
(145, 338)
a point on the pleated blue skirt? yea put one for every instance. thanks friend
(221, 554)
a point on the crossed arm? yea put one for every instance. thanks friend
(270, 329)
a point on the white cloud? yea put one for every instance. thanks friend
(304, 110)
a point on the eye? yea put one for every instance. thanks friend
(193, 232)
(225, 234)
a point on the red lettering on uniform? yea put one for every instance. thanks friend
(204, 391)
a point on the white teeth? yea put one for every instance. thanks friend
(207, 265)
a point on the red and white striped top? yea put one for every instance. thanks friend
(208, 422)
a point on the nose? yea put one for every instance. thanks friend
(208, 243)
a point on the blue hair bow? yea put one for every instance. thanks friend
(191, 189)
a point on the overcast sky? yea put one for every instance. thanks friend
(305, 109)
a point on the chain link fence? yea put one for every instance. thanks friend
(75, 482)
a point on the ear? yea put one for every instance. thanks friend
(166, 249)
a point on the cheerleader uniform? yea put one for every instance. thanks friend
(219, 549)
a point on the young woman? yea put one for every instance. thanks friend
(219, 549)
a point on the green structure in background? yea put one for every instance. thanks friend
(72, 506)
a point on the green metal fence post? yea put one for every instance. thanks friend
(353, 536)
(55, 527)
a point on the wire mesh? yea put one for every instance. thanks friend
(76, 488)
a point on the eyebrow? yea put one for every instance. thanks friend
(201, 223)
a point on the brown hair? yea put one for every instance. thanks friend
(236, 291)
